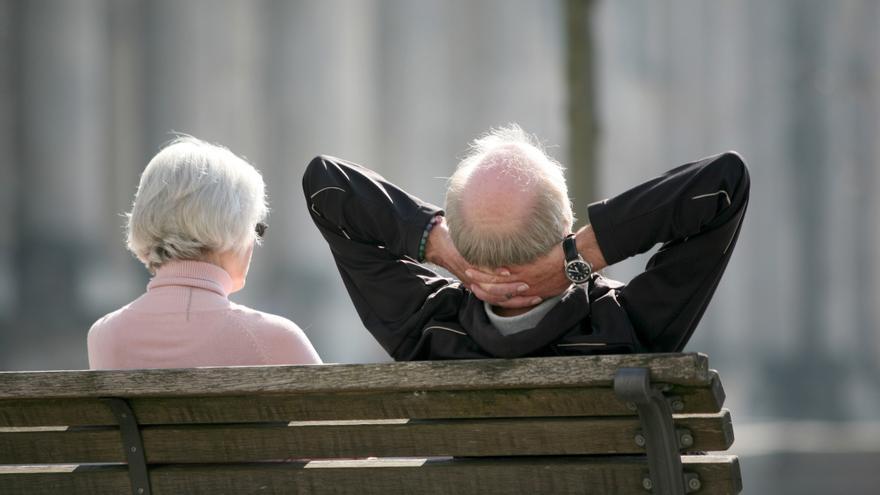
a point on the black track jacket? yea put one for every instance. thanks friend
(373, 228)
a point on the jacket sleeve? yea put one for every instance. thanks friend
(374, 229)
(695, 212)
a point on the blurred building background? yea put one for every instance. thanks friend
(621, 89)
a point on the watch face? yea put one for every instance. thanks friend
(577, 271)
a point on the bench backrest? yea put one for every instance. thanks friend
(538, 425)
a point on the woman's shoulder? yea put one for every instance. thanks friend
(262, 321)
(283, 340)
(109, 320)
(104, 337)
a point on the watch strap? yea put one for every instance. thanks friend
(569, 247)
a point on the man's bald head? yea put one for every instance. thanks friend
(507, 203)
(497, 194)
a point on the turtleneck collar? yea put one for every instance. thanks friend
(509, 325)
(192, 274)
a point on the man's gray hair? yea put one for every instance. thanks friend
(195, 199)
(547, 222)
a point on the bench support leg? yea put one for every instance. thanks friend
(134, 446)
(633, 385)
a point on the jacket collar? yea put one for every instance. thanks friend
(574, 309)
(571, 310)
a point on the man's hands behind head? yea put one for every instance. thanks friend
(520, 286)
(504, 290)
(544, 277)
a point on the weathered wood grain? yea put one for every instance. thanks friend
(350, 405)
(619, 475)
(66, 479)
(44, 412)
(554, 372)
(403, 438)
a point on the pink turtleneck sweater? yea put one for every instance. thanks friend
(185, 320)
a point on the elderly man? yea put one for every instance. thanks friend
(529, 287)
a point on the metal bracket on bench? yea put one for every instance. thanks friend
(661, 440)
(134, 446)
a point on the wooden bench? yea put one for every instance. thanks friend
(523, 426)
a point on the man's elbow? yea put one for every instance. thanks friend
(316, 169)
(733, 171)
(733, 164)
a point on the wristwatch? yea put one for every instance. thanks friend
(577, 269)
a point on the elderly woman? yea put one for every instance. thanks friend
(198, 211)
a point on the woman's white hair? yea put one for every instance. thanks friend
(195, 199)
(549, 219)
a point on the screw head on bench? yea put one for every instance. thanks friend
(632, 406)
(686, 440)
(694, 484)
(640, 440)
(677, 405)
(647, 484)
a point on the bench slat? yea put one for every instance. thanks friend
(553, 372)
(621, 475)
(353, 405)
(402, 438)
